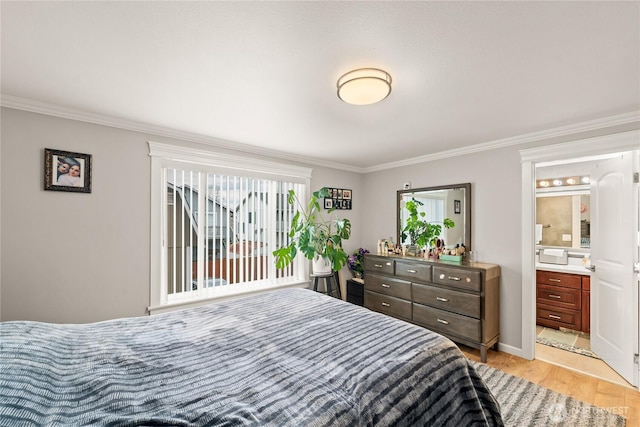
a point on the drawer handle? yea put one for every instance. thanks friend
(386, 304)
(411, 271)
(384, 285)
(457, 279)
(377, 265)
(555, 296)
(554, 280)
(444, 322)
(553, 316)
(442, 299)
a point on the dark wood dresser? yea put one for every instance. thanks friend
(458, 300)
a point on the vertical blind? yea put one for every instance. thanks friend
(220, 232)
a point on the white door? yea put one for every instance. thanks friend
(614, 248)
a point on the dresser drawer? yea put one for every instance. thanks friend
(555, 317)
(385, 304)
(447, 299)
(559, 297)
(388, 286)
(419, 272)
(564, 280)
(447, 322)
(378, 265)
(458, 278)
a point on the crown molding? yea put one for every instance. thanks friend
(588, 147)
(32, 106)
(23, 104)
(617, 120)
(207, 157)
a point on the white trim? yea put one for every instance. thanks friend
(618, 142)
(211, 158)
(528, 259)
(153, 310)
(596, 146)
(620, 119)
(506, 348)
(24, 104)
(163, 154)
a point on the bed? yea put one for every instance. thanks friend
(290, 357)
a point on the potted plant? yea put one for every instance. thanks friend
(420, 232)
(318, 239)
(356, 262)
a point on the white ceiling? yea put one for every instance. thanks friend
(262, 75)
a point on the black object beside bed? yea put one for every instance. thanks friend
(290, 357)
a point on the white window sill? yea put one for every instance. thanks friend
(194, 302)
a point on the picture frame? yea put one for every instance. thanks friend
(67, 171)
(339, 198)
(456, 206)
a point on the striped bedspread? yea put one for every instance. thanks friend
(285, 358)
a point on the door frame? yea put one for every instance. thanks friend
(618, 142)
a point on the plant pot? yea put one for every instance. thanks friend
(321, 265)
(413, 250)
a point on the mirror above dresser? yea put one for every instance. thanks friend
(439, 202)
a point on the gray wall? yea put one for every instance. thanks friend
(495, 215)
(85, 257)
(75, 257)
(496, 210)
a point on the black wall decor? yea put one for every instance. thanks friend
(340, 198)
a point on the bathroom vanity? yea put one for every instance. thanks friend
(563, 289)
(563, 300)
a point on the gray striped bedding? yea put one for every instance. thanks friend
(290, 357)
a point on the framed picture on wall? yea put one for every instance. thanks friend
(456, 206)
(67, 171)
(339, 198)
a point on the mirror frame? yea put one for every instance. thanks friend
(467, 208)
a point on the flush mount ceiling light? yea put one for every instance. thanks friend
(364, 86)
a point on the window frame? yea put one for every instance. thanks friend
(165, 156)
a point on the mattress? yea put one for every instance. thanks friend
(290, 357)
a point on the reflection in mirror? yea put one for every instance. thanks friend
(447, 201)
(563, 219)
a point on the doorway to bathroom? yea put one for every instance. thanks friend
(559, 292)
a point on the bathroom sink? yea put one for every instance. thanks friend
(554, 256)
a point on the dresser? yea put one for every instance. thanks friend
(458, 300)
(563, 300)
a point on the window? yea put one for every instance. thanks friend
(216, 220)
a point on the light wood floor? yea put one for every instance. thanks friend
(619, 399)
(576, 362)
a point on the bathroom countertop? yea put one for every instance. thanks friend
(569, 268)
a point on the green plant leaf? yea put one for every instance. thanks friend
(285, 255)
(311, 235)
(291, 197)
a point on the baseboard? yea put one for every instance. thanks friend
(506, 348)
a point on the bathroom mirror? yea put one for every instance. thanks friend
(563, 219)
(445, 201)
